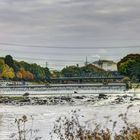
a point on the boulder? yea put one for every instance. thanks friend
(26, 94)
(102, 96)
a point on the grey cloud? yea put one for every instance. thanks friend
(71, 23)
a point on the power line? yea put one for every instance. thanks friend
(56, 60)
(51, 53)
(61, 47)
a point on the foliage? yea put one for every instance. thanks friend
(10, 62)
(71, 71)
(127, 81)
(1, 64)
(12, 69)
(8, 72)
(25, 75)
(38, 72)
(88, 70)
(130, 66)
(47, 73)
(55, 74)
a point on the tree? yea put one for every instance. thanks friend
(8, 72)
(19, 75)
(55, 74)
(10, 62)
(1, 64)
(24, 75)
(130, 66)
(88, 70)
(29, 76)
(38, 72)
(47, 73)
(71, 71)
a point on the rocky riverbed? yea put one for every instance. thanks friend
(69, 100)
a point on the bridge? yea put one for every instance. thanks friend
(85, 79)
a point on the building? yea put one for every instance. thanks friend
(107, 65)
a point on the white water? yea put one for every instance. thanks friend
(62, 92)
(45, 116)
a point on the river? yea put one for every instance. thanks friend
(45, 116)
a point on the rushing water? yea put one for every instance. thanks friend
(45, 116)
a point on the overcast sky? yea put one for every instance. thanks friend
(66, 31)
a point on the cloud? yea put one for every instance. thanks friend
(76, 23)
(96, 57)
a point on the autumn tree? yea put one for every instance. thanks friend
(19, 75)
(1, 64)
(23, 70)
(8, 72)
(24, 75)
(29, 76)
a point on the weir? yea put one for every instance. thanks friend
(59, 87)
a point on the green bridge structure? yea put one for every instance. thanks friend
(79, 80)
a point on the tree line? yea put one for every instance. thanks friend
(14, 70)
(89, 70)
(11, 69)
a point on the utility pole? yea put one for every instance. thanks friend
(86, 63)
(46, 64)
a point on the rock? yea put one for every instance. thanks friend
(126, 96)
(134, 99)
(90, 100)
(102, 96)
(68, 99)
(119, 100)
(78, 97)
(26, 94)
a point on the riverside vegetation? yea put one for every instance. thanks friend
(70, 128)
(11, 69)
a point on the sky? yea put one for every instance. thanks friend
(65, 32)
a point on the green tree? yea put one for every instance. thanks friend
(55, 74)
(130, 66)
(47, 73)
(10, 62)
(71, 71)
(88, 70)
(38, 72)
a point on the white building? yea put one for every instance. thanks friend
(107, 65)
